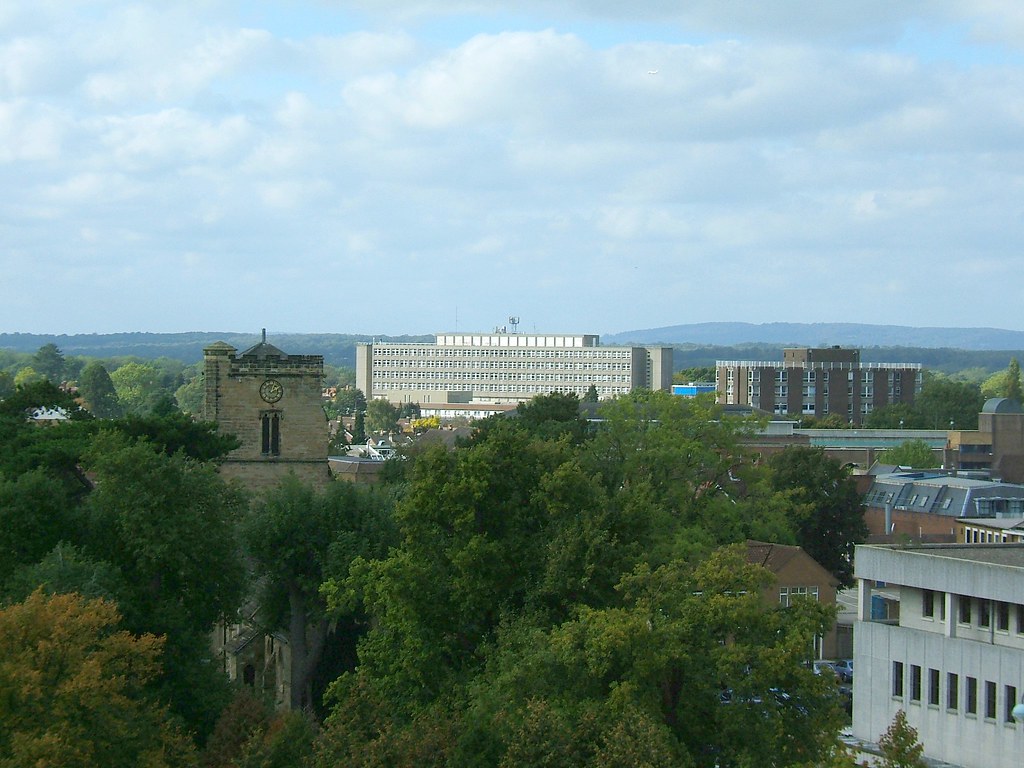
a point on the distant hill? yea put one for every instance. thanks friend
(942, 349)
(338, 349)
(822, 335)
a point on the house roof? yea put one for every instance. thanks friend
(775, 557)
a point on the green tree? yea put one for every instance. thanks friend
(75, 689)
(946, 403)
(703, 373)
(591, 396)
(893, 416)
(827, 510)
(359, 429)
(349, 401)
(138, 386)
(899, 745)
(409, 411)
(28, 375)
(381, 416)
(97, 389)
(1012, 388)
(191, 394)
(49, 362)
(6, 385)
(909, 453)
(297, 537)
(35, 514)
(168, 524)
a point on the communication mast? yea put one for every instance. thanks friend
(513, 321)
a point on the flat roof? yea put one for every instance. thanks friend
(1011, 555)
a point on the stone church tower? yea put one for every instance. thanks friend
(271, 402)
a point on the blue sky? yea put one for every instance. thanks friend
(395, 167)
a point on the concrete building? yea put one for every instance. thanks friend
(506, 368)
(940, 635)
(817, 382)
(272, 403)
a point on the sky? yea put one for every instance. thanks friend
(587, 166)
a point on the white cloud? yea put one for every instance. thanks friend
(509, 160)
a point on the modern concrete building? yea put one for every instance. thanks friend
(506, 368)
(817, 382)
(940, 635)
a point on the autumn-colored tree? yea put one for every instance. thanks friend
(75, 689)
(899, 744)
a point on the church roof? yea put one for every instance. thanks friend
(264, 350)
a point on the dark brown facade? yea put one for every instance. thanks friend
(817, 382)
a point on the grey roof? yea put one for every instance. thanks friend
(941, 494)
(264, 350)
(1001, 405)
(1011, 555)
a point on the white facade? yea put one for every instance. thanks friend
(506, 368)
(940, 635)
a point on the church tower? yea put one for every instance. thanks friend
(271, 402)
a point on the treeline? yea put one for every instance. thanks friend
(553, 591)
(118, 386)
(339, 349)
(968, 364)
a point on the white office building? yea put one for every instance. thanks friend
(940, 635)
(506, 368)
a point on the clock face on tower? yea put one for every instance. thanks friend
(271, 390)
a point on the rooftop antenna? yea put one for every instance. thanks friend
(264, 335)
(513, 321)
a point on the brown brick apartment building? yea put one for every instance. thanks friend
(817, 382)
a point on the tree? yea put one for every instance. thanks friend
(409, 411)
(97, 389)
(349, 401)
(893, 416)
(1012, 388)
(591, 395)
(6, 385)
(359, 429)
(138, 385)
(909, 453)
(381, 416)
(49, 362)
(168, 524)
(827, 510)
(28, 375)
(946, 403)
(190, 395)
(35, 513)
(899, 745)
(297, 537)
(75, 689)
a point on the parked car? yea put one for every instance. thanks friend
(826, 668)
(844, 668)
